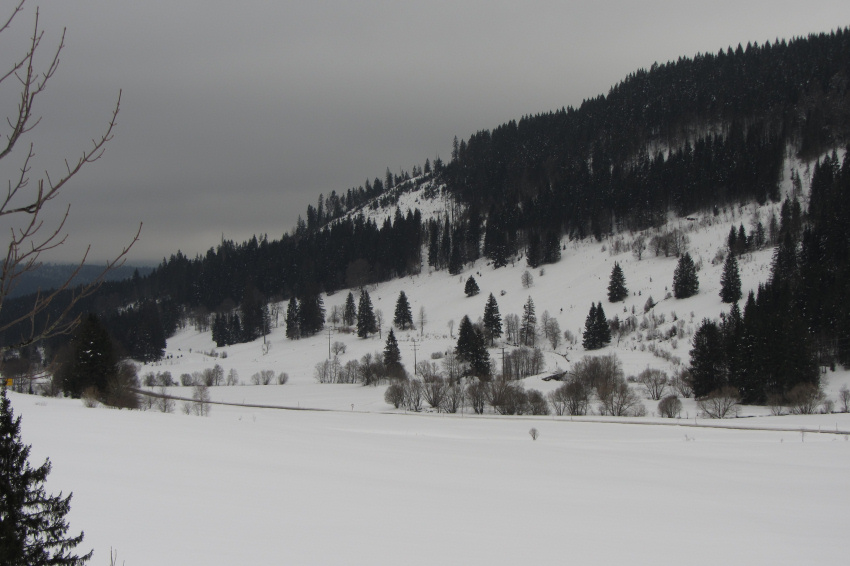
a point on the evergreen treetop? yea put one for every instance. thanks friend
(403, 317)
(471, 289)
(685, 281)
(617, 290)
(33, 527)
(492, 319)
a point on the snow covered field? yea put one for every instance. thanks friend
(261, 486)
(362, 483)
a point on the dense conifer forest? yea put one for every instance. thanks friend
(683, 137)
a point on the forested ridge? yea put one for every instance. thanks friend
(684, 136)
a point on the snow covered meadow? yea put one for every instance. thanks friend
(358, 482)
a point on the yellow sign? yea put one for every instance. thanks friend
(10, 382)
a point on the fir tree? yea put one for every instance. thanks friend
(708, 363)
(528, 326)
(33, 527)
(617, 290)
(403, 318)
(730, 281)
(589, 341)
(685, 282)
(349, 311)
(471, 288)
(366, 323)
(492, 320)
(392, 356)
(293, 329)
(91, 360)
(471, 348)
(597, 333)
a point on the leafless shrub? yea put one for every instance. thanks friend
(413, 395)
(720, 404)
(120, 391)
(512, 328)
(804, 399)
(187, 380)
(827, 407)
(537, 404)
(266, 376)
(776, 403)
(522, 362)
(682, 382)
(394, 395)
(164, 403)
(670, 407)
(617, 399)
(453, 398)
(654, 381)
(595, 371)
(571, 398)
(508, 398)
(434, 391)
(844, 398)
(534, 433)
(476, 396)
(232, 377)
(428, 370)
(89, 397)
(201, 400)
(338, 348)
(282, 378)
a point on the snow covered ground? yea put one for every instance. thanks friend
(362, 483)
(261, 486)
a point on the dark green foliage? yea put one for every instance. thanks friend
(349, 311)
(708, 360)
(617, 290)
(471, 288)
(730, 281)
(685, 281)
(293, 318)
(311, 315)
(366, 323)
(33, 527)
(472, 349)
(403, 318)
(597, 333)
(392, 356)
(90, 360)
(492, 320)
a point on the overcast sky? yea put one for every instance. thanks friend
(236, 115)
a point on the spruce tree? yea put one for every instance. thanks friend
(600, 328)
(708, 363)
(293, 329)
(528, 326)
(471, 289)
(349, 311)
(91, 360)
(471, 348)
(685, 282)
(465, 340)
(33, 527)
(366, 323)
(492, 320)
(589, 340)
(403, 318)
(392, 356)
(617, 290)
(730, 281)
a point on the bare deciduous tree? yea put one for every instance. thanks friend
(421, 320)
(654, 381)
(24, 205)
(670, 407)
(720, 404)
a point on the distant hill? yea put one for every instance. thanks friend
(53, 275)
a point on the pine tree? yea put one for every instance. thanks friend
(91, 360)
(293, 329)
(708, 364)
(492, 320)
(617, 290)
(528, 326)
(392, 356)
(685, 282)
(403, 318)
(471, 288)
(471, 348)
(349, 312)
(366, 323)
(589, 340)
(601, 328)
(33, 528)
(730, 281)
